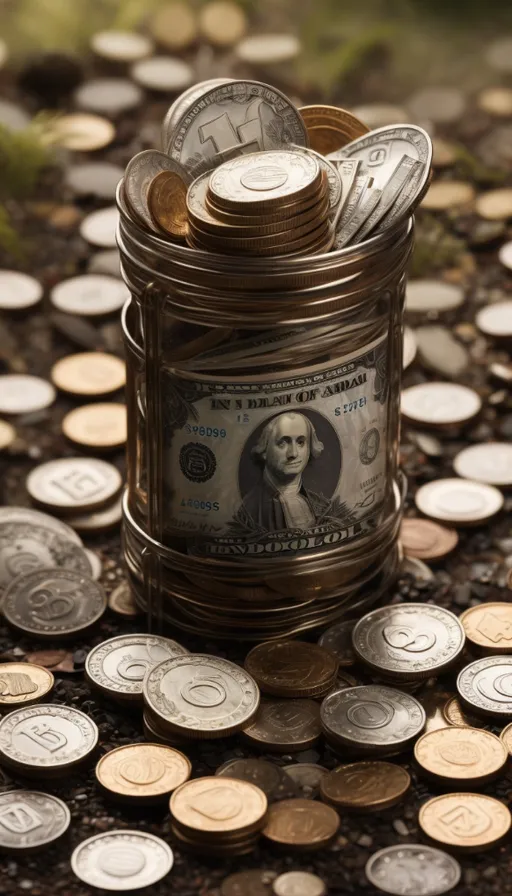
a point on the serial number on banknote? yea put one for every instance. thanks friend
(351, 406)
(195, 504)
(211, 432)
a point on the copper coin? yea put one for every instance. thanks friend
(89, 373)
(427, 540)
(121, 46)
(465, 821)
(506, 738)
(174, 25)
(457, 716)
(489, 627)
(143, 771)
(365, 786)
(301, 824)
(53, 660)
(465, 756)
(268, 49)
(100, 426)
(22, 684)
(285, 726)
(167, 201)
(329, 128)
(292, 668)
(218, 806)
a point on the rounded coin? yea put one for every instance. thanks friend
(490, 462)
(338, 639)
(496, 320)
(108, 96)
(506, 738)
(219, 806)
(414, 567)
(89, 373)
(46, 739)
(465, 821)
(270, 778)
(107, 261)
(437, 104)
(426, 540)
(413, 869)
(432, 295)
(18, 291)
(505, 255)
(410, 347)
(82, 132)
(365, 786)
(329, 128)
(53, 660)
(140, 173)
(440, 404)
(143, 771)
(489, 627)
(495, 205)
(463, 755)
(454, 714)
(292, 668)
(257, 181)
(99, 425)
(372, 717)
(90, 295)
(209, 126)
(485, 686)
(27, 548)
(222, 22)
(121, 46)
(458, 501)
(122, 860)
(98, 179)
(307, 776)
(23, 394)
(200, 694)
(443, 195)
(118, 666)
(162, 73)
(285, 725)
(167, 202)
(174, 24)
(7, 435)
(392, 143)
(74, 483)
(53, 603)
(31, 820)
(23, 683)
(298, 883)
(496, 101)
(303, 824)
(255, 882)
(268, 49)
(122, 601)
(99, 229)
(37, 518)
(410, 640)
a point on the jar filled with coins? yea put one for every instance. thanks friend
(264, 351)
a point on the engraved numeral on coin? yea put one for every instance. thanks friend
(18, 818)
(14, 684)
(403, 638)
(465, 822)
(494, 628)
(203, 691)
(377, 156)
(76, 484)
(224, 135)
(370, 715)
(46, 606)
(46, 737)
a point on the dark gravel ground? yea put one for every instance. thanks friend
(476, 572)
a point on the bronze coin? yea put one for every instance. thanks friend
(53, 660)
(292, 668)
(329, 128)
(167, 201)
(22, 684)
(365, 786)
(427, 540)
(465, 821)
(466, 756)
(285, 726)
(269, 777)
(301, 824)
(147, 772)
(489, 627)
(457, 716)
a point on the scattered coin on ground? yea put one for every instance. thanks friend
(268, 49)
(143, 772)
(122, 601)
(365, 786)
(162, 73)
(74, 483)
(18, 291)
(292, 668)
(468, 822)
(7, 435)
(122, 860)
(99, 228)
(489, 627)
(298, 883)
(82, 132)
(222, 22)
(121, 46)
(490, 462)
(21, 394)
(461, 756)
(284, 726)
(443, 195)
(90, 295)
(426, 540)
(496, 320)
(495, 205)
(338, 639)
(440, 404)
(432, 295)
(269, 777)
(100, 426)
(301, 824)
(22, 684)
(27, 549)
(254, 882)
(53, 603)
(485, 686)
(31, 820)
(413, 869)
(118, 666)
(371, 719)
(46, 740)
(307, 776)
(458, 501)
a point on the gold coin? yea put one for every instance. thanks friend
(280, 214)
(167, 201)
(239, 847)
(300, 823)
(174, 26)
(330, 128)
(465, 821)
(98, 426)
(22, 684)
(455, 715)
(89, 373)
(506, 738)
(489, 626)
(496, 101)
(365, 786)
(7, 434)
(122, 601)
(462, 755)
(81, 132)
(222, 23)
(215, 805)
(446, 194)
(292, 668)
(495, 205)
(143, 771)
(252, 243)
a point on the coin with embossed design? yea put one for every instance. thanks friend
(463, 755)
(485, 686)
(411, 641)
(285, 726)
(74, 483)
(338, 639)
(292, 668)
(122, 860)
(467, 822)
(365, 786)
(298, 883)
(260, 181)
(301, 824)
(489, 627)
(25, 547)
(457, 716)
(118, 666)
(413, 869)
(269, 777)
(143, 772)
(46, 740)
(30, 820)
(53, 603)
(218, 806)
(372, 718)
(200, 695)
(506, 738)
(329, 128)
(23, 683)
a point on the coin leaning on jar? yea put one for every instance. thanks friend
(142, 772)
(140, 174)
(117, 667)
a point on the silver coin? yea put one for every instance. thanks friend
(307, 776)
(21, 394)
(234, 113)
(108, 96)
(409, 640)
(31, 820)
(372, 718)
(332, 174)
(53, 602)
(396, 183)
(186, 100)
(202, 694)
(490, 462)
(18, 290)
(118, 666)
(162, 73)
(423, 296)
(98, 179)
(74, 483)
(140, 172)
(365, 208)
(122, 860)
(273, 780)
(46, 739)
(99, 228)
(38, 518)
(121, 46)
(246, 178)
(101, 520)
(410, 347)
(338, 639)
(360, 185)
(90, 295)
(458, 501)
(25, 547)
(437, 104)
(413, 869)
(486, 686)
(298, 883)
